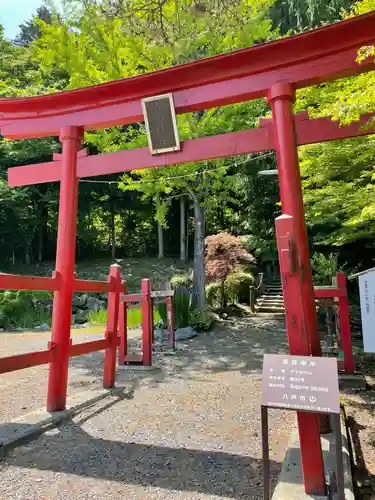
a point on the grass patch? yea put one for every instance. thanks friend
(134, 317)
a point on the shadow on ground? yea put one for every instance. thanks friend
(206, 472)
(236, 345)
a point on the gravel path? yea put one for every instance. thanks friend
(188, 429)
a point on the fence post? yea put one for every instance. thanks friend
(123, 328)
(112, 326)
(147, 326)
(346, 337)
(295, 312)
(169, 306)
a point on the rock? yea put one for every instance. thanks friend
(81, 317)
(159, 334)
(94, 304)
(185, 333)
(42, 328)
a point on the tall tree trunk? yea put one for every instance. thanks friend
(113, 234)
(182, 230)
(160, 231)
(199, 269)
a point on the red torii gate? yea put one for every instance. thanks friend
(273, 70)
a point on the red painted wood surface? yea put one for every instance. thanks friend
(112, 327)
(302, 60)
(21, 361)
(16, 282)
(87, 347)
(220, 146)
(71, 138)
(346, 337)
(131, 297)
(147, 322)
(327, 293)
(308, 424)
(123, 332)
(92, 286)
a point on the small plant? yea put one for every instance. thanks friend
(98, 317)
(200, 321)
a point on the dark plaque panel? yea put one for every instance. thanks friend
(161, 124)
(302, 383)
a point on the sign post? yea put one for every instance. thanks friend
(304, 384)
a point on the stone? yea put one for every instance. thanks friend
(42, 328)
(81, 317)
(159, 334)
(94, 304)
(185, 333)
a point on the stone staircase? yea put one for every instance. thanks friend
(271, 301)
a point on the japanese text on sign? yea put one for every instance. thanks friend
(301, 383)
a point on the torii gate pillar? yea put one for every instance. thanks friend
(304, 337)
(71, 138)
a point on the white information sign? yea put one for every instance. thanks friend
(367, 296)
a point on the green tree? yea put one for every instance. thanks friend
(94, 44)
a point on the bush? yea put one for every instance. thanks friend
(201, 322)
(324, 268)
(182, 286)
(213, 294)
(23, 309)
(237, 285)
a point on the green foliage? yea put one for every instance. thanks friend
(213, 294)
(161, 308)
(324, 268)
(236, 289)
(23, 309)
(134, 317)
(182, 307)
(98, 317)
(339, 188)
(200, 321)
(237, 285)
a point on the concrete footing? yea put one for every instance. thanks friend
(290, 484)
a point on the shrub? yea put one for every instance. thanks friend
(223, 255)
(237, 285)
(23, 309)
(201, 322)
(213, 294)
(182, 285)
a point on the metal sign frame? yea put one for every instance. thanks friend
(266, 453)
(156, 151)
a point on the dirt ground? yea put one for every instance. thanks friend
(187, 429)
(360, 413)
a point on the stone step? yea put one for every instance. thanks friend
(272, 297)
(270, 309)
(270, 301)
